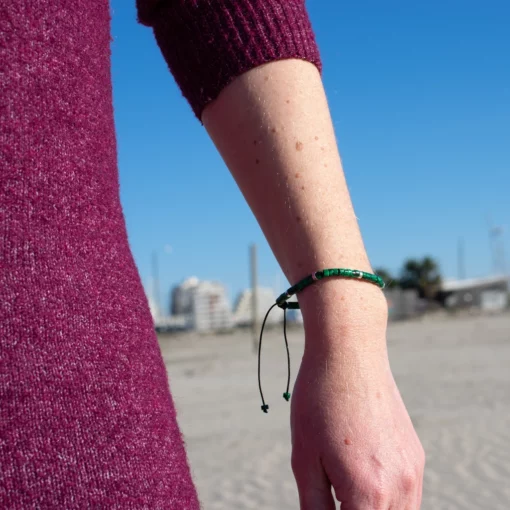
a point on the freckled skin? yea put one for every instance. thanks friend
(299, 146)
(297, 175)
(298, 218)
(316, 137)
(325, 165)
(343, 328)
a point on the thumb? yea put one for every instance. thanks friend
(313, 486)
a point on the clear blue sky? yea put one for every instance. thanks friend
(420, 98)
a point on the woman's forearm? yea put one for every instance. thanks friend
(271, 124)
(273, 128)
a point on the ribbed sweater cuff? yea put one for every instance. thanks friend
(207, 43)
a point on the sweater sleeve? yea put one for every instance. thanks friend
(207, 43)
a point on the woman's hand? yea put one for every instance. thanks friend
(351, 430)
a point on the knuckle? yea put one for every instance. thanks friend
(377, 493)
(408, 481)
(379, 498)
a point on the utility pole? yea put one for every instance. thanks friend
(493, 233)
(461, 266)
(500, 250)
(497, 249)
(254, 294)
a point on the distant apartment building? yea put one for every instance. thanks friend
(203, 303)
(181, 302)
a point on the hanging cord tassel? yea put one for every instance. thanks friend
(284, 307)
(292, 305)
(264, 406)
(286, 395)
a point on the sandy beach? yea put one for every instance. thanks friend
(454, 375)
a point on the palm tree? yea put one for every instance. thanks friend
(422, 275)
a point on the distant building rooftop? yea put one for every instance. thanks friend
(455, 285)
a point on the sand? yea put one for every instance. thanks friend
(454, 375)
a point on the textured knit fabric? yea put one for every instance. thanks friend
(86, 416)
(207, 43)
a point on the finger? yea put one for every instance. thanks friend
(356, 506)
(366, 500)
(313, 486)
(420, 493)
(419, 484)
(413, 502)
(313, 498)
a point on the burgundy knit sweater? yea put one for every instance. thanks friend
(86, 416)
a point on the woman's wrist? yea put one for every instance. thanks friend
(338, 312)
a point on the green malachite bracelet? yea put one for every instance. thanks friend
(319, 275)
(282, 303)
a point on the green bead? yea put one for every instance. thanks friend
(286, 396)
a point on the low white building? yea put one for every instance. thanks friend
(486, 294)
(243, 314)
